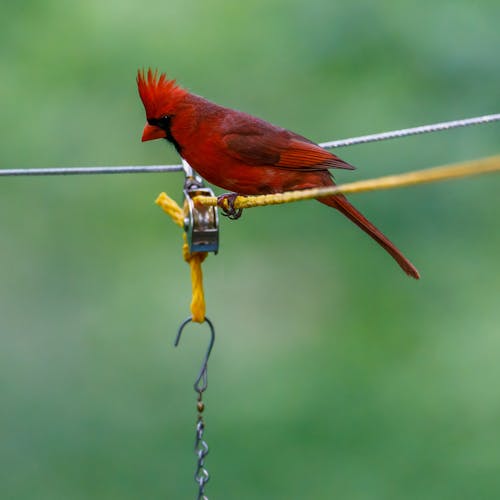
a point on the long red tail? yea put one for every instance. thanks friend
(340, 203)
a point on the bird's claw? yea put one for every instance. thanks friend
(226, 203)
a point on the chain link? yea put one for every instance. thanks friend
(201, 476)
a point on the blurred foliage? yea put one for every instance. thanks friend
(333, 375)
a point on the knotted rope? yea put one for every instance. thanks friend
(194, 259)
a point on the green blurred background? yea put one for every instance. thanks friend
(333, 375)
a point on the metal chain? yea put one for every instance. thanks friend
(201, 476)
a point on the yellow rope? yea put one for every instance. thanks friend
(193, 259)
(483, 166)
(457, 170)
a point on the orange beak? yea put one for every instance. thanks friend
(151, 132)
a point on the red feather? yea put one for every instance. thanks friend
(158, 94)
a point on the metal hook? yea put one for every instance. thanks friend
(201, 381)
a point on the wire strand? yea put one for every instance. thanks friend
(405, 132)
(144, 169)
(149, 169)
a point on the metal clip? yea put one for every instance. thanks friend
(202, 222)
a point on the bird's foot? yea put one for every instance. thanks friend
(226, 203)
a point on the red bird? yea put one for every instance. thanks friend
(244, 154)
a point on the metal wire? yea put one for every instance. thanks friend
(405, 132)
(148, 169)
(144, 169)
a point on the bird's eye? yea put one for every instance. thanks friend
(163, 122)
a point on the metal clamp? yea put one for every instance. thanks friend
(202, 222)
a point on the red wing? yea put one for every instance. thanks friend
(300, 154)
(254, 147)
(256, 142)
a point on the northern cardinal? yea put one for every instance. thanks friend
(242, 153)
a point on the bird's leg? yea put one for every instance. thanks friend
(226, 203)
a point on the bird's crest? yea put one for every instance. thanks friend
(158, 94)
